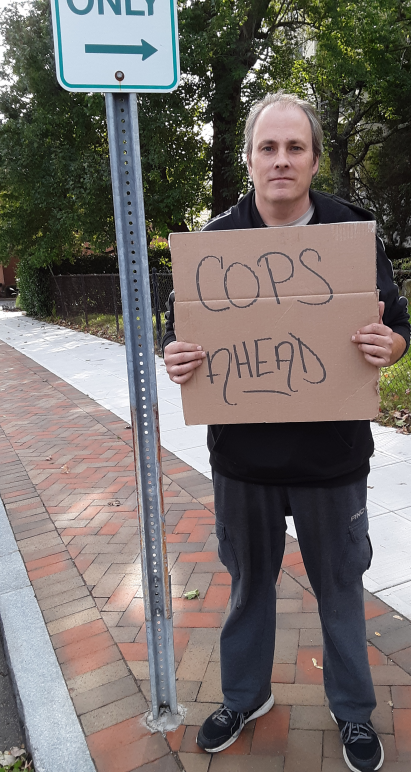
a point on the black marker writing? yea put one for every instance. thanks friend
(212, 375)
(290, 361)
(307, 302)
(259, 361)
(219, 260)
(303, 346)
(282, 353)
(243, 364)
(270, 273)
(257, 294)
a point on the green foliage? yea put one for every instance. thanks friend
(54, 167)
(55, 186)
(174, 159)
(33, 283)
(385, 183)
(159, 256)
(89, 262)
(357, 66)
(234, 51)
(395, 393)
(351, 58)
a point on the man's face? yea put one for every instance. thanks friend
(281, 163)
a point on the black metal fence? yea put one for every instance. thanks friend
(83, 297)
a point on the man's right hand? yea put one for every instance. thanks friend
(181, 359)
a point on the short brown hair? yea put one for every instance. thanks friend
(290, 100)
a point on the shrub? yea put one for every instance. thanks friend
(33, 284)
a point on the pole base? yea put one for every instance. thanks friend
(166, 721)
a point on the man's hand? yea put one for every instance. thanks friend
(379, 344)
(181, 359)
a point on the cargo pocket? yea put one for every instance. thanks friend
(357, 554)
(226, 552)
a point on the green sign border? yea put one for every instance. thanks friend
(111, 87)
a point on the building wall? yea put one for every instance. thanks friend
(9, 272)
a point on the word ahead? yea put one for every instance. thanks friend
(252, 366)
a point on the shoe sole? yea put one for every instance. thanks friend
(257, 713)
(346, 759)
(261, 711)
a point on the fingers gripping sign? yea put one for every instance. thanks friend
(376, 341)
(182, 359)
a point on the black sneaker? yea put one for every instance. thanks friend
(222, 728)
(362, 749)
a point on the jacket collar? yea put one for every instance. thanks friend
(329, 209)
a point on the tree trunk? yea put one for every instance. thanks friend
(338, 166)
(229, 72)
(338, 150)
(226, 174)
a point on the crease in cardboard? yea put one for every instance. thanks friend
(374, 382)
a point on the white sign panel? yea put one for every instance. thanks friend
(116, 45)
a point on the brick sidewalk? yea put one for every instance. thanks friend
(67, 482)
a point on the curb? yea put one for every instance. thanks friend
(54, 735)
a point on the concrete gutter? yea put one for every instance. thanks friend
(53, 733)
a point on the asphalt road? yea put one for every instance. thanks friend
(11, 731)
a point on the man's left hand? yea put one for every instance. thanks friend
(379, 344)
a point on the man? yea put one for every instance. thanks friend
(316, 472)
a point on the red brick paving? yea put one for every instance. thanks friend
(68, 486)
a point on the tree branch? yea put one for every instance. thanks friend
(367, 145)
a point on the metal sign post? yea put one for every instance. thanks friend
(102, 45)
(122, 122)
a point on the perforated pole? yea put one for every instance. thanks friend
(125, 160)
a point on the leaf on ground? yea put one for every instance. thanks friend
(315, 663)
(379, 634)
(191, 594)
(396, 616)
(65, 469)
(7, 759)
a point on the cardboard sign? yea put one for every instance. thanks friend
(274, 309)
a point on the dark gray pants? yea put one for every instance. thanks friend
(332, 528)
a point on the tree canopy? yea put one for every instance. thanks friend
(351, 59)
(55, 186)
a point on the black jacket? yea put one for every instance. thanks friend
(322, 453)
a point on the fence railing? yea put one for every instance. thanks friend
(82, 296)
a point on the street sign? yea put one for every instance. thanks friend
(116, 45)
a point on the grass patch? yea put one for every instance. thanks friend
(101, 325)
(395, 393)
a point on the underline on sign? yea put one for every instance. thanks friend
(265, 391)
